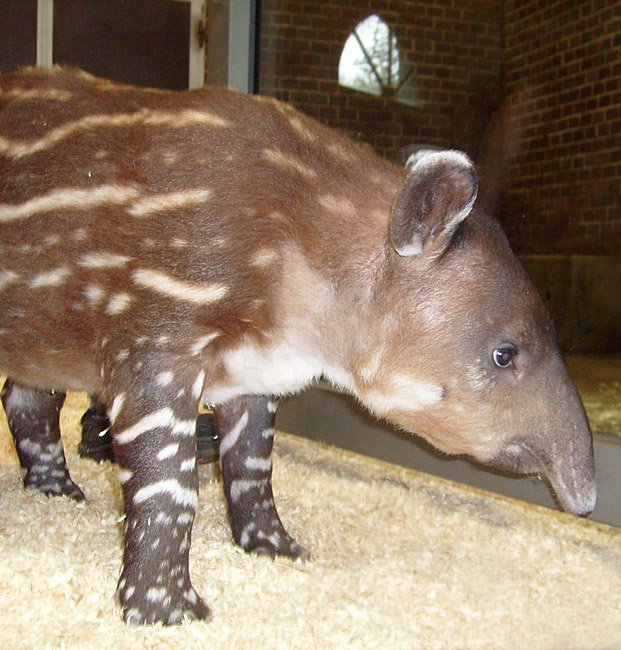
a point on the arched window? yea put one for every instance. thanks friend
(370, 59)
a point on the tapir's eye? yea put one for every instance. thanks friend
(503, 357)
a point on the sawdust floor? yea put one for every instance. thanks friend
(401, 560)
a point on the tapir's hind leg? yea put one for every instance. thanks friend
(33, 417)
(246, 430)
(96, 442)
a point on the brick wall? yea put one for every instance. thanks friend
(563, 93)
(529, 88)
(455, 49)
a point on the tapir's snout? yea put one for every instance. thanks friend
(577, 495)
(557, 444)
(571, 475)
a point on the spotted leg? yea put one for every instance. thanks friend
(246, 430)
(33, 417)
(153, 431)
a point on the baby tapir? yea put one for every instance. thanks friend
(160, 249)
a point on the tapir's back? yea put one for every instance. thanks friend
(112, 193)
(115, 199)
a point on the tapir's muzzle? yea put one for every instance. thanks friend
(577, 497)
(570, 472)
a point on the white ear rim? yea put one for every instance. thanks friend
(426, 158)
(430, 158)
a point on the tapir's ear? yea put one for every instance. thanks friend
(437, 195)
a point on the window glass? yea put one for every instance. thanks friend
(135, 41)
(370, 58)
(18, 34)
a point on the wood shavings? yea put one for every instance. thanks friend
(400, 560)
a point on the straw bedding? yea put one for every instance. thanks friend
(400, 560)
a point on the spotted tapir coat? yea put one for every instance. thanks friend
(160, 249)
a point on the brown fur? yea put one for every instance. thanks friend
(286, 236)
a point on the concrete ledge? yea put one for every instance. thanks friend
(326, 415)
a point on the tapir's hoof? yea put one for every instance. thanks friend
(56, 488)
(277, 545)
(96, 441)
(159, 605)
(95, 452)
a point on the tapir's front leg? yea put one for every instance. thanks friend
(246, 430)
(33, 417)
(153, 430)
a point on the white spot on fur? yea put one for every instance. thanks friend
(185, 518)
(191, 596)
(6, 278)
(288, 162)
(164, 519)
(342, 153)
(50, 278)
(103, 260)
(159, 203)
(403, 393)
(245, 536)
(179, 289)
(260, 464)
(51, 240)
(118, 303)
(67, 198)
(302, 129)
(94, 294)
(200, 344)
(124, 475)
(168, 451)
(165, 378)
(115, 409)
(29, 447)
(177, 119)
(184, 428)
(188, 465)
(197, 388)
(338, 205)
(156, 594)
(263, 257)
(242, 485)
(162, 418)
(179, 494)
(230, 439)
(51, 94)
